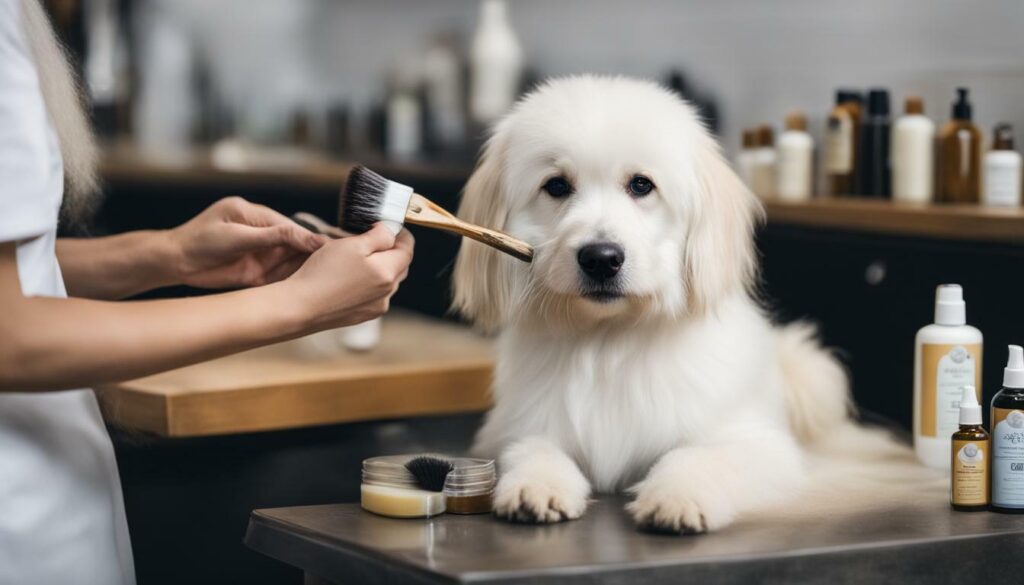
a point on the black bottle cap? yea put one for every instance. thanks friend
(848, 95)
(878, 102)
(961, 107)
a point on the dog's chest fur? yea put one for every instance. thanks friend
(617, 402)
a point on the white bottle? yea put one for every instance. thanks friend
(947, 356)
(442, 77)
(1002, 170)
(404, 138)
(795, 168)
(496, 63)
(913, 154)
(762, 176)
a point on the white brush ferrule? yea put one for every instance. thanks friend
(396, 203)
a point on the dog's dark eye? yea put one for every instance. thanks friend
(557, 187)
(640, 186)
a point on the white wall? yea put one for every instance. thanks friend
(761, 58)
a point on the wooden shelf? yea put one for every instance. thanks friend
(422, 367)
(304, 169)
(946, 222)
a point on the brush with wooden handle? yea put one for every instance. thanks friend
(369, 198)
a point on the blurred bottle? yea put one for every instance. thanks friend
(166, 108)
(442, 79)
(875, 134)
(1002, 170)
(404, 138)
(959, 177)
(795, 170)
(745, 158)
(763, 176)
(496, 64)
(106, 70)
(913, 153)
(842, 143)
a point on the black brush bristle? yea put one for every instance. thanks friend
(361, 201)
(430, 472)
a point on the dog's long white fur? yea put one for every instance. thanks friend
(683, 392)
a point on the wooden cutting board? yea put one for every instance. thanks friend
(422, 367)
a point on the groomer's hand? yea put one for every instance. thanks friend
(351, 280)
(234, 243)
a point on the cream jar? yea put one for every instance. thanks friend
(389, 489)
(469, 487)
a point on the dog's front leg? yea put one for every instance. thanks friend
(704, 487)
(539, 483)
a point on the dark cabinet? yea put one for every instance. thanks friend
(870, 294)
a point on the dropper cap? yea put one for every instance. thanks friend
(970, 410)
(961, 107)
(950, 308)
(1013, 375)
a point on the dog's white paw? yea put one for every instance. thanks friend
(679, 509)
(530, 500)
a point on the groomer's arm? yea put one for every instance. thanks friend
(53, 343)
(233, 243)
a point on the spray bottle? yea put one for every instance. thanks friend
(1008, 437)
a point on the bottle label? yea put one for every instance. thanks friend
(1002, 185)
(839, 145)
(945, 370)
(1008, 458)
(970, 473)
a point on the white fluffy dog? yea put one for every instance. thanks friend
(632, 354)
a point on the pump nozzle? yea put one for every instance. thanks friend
(961, 107)
(950, 308)
(1013, 375)
(970, 410)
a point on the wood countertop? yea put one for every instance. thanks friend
(422, 367)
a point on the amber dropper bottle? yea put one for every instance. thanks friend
(969, 491)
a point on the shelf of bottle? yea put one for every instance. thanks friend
(311, 170)
(930, 220)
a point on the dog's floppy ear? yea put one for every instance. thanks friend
(480, 292)
(719, 254)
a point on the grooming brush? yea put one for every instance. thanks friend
(429, 472)
(369, 198)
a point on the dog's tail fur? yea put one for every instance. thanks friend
(848, 464)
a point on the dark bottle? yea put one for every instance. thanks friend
(1008, 437)
(959, 156)
(874, 146)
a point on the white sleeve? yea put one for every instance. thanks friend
(25, 169)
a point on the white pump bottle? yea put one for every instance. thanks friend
(947, 356)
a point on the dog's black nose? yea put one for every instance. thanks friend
(602, 260)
